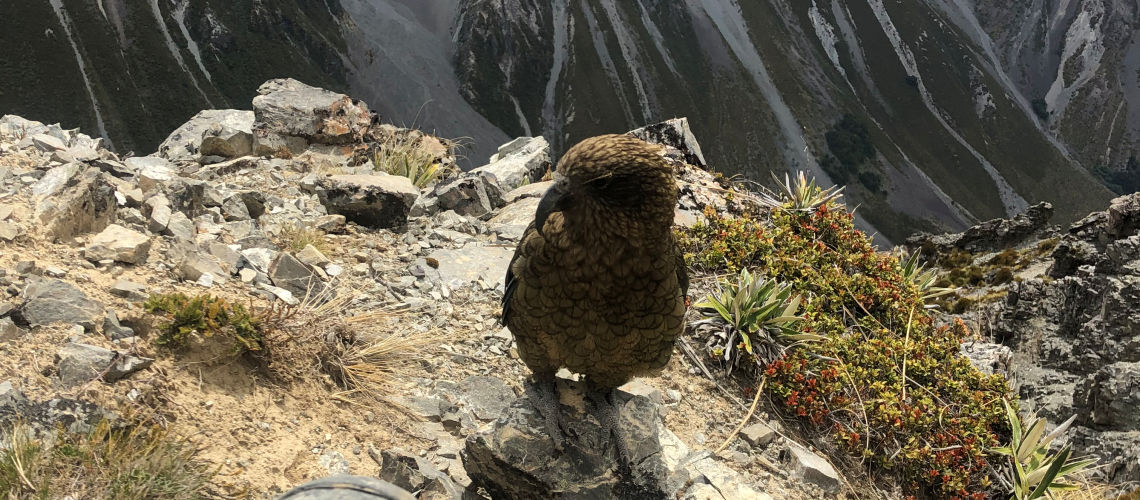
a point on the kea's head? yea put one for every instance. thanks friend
(615, 182)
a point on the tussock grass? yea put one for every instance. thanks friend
(141, 461)
(295, 238)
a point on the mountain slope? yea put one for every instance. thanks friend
(935, 113)
(940, 137)
(135, 70)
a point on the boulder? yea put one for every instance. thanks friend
(47, 143)
(473, 194)
(678, 139)
(85, 204)
(375, 201)
(226, 141)
(48, 301)
(184, 144)
(416, 474)
(470, 265)
(288, 273)
(151, 171)
(287, 110)
(515, 458)
(119, 244)
(525, 159)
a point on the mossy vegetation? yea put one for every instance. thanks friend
(885, 382)
(208, 316)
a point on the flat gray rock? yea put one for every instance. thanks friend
(81, 363)
(50, 301)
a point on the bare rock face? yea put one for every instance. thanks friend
(1073, 336)
(991, 236)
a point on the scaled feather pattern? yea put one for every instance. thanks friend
(597, 283)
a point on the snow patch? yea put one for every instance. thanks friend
(65, 21)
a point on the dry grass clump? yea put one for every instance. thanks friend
(140, 461)
(295, 238)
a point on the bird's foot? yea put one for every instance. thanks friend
(548, 405)
(607, 409)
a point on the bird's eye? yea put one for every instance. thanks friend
(618, 189)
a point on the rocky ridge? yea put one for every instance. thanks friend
(1063, 329)
(282, 204)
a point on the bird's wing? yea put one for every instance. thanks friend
(682, 270)
(511, 283)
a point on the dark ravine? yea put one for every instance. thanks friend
(937, 114)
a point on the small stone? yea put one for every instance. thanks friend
(80, 363)
(134, 292)
(334, 462)
(113, 329)
(813, 469)
(26, 267)
(247, 275)
(9, 330)
(9, 231)
(334, 270)
(55, 272)
(758, 434)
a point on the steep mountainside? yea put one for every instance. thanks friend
(135, 70)
(936, 113)
(898, 99)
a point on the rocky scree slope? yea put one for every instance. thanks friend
(282, 205)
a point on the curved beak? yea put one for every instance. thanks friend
(551, 202)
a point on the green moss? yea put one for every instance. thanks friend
(206, 315)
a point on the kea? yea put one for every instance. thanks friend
(597, 283)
